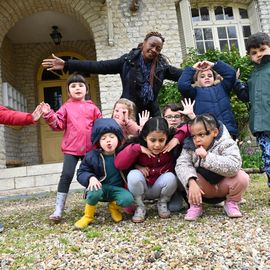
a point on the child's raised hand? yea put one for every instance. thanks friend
(37, 113)
(94, 184)
(170, 145)
(54, 63)
(143, 118)
(146, 151)
(201, 152)
(194, 193)
(188, 108)
(45, 108)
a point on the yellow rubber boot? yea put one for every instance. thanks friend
(87, 218)
(115, 211)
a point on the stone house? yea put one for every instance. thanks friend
(99, 30)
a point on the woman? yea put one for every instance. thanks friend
(142, 71)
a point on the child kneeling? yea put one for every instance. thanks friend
(209, 167)
(99, 175)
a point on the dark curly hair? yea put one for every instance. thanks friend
(256, 40)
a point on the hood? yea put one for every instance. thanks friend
(105, 125)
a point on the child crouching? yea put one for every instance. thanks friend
(99, 175)
(209, 167)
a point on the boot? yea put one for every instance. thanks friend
(162, 207)
(88, 217)
(115, 211)
(59, 206)
(140, 212)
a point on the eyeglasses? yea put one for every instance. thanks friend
(169, 117)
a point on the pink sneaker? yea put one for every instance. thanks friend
(193, 212)
(232, 210)
(130, 209)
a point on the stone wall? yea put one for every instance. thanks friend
(263, 9)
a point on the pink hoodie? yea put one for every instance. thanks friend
(76, 119)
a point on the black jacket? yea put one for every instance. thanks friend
(132, 79)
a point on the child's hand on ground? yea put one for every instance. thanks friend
(170, 145)
(146, 151)
(188, 108)
(194, 193)
(201, 152)
(94, 184)
(54, 63)
(37, 113)
(143, 117)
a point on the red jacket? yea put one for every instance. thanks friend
(10, 117)
(76, 119)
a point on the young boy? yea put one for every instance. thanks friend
(257, 93)
(99, 175)
(10, 117)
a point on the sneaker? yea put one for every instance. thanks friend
(139, 215)
(163, 210)
(1, 228)
(193, 212)
(232, 210)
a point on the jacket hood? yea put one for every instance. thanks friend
(105, 125)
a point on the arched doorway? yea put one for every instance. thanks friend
(52, 89)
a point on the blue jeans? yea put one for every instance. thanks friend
(264, 142)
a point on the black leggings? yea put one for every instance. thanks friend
(69, 166)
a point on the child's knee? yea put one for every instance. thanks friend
(243, 179)
(94, 196)
(125, 200)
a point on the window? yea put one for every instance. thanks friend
(220, 27)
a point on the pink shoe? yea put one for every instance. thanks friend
(129, 209)
(232, 210)
(193, 212)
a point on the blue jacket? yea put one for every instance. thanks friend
(214, 99)
(131, 76)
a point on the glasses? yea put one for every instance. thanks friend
(169, 117)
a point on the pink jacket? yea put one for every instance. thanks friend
(76, 119)
(10, 117)
(131, 128)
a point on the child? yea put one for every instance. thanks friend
(210, 96)
(76, 118)
(210, 167)
(124, 112)
(99, 175)
(257, 93)
(10, 117)
(154, 176)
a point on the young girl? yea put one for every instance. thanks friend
(154, 176)
(99, 175)
(76, 118)
(124, 112)
(210, 167)
(211, 96)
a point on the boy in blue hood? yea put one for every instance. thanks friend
(99, 175)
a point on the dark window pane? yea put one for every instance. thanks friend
(209, 45)
(198, 34)
(233, 43)
(219, 13)
(232, 32)
(48, 75)
(243, 13)
(222, 33)
(200, 47)
(204, 14)
(207, 33)
(228, 13)
(53, 96)
(246, 31)
(223, 44)
(195, 14)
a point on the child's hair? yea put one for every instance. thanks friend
(256, 40)
(208, 120)
(174, 107)
(130, 105)
(154, 124)
(75, 78)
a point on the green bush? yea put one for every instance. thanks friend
(170, 93)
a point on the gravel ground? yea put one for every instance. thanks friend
(30, 241)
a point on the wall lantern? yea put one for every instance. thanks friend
(56, 35)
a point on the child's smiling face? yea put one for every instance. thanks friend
(205, 78)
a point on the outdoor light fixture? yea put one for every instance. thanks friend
(56, 35)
